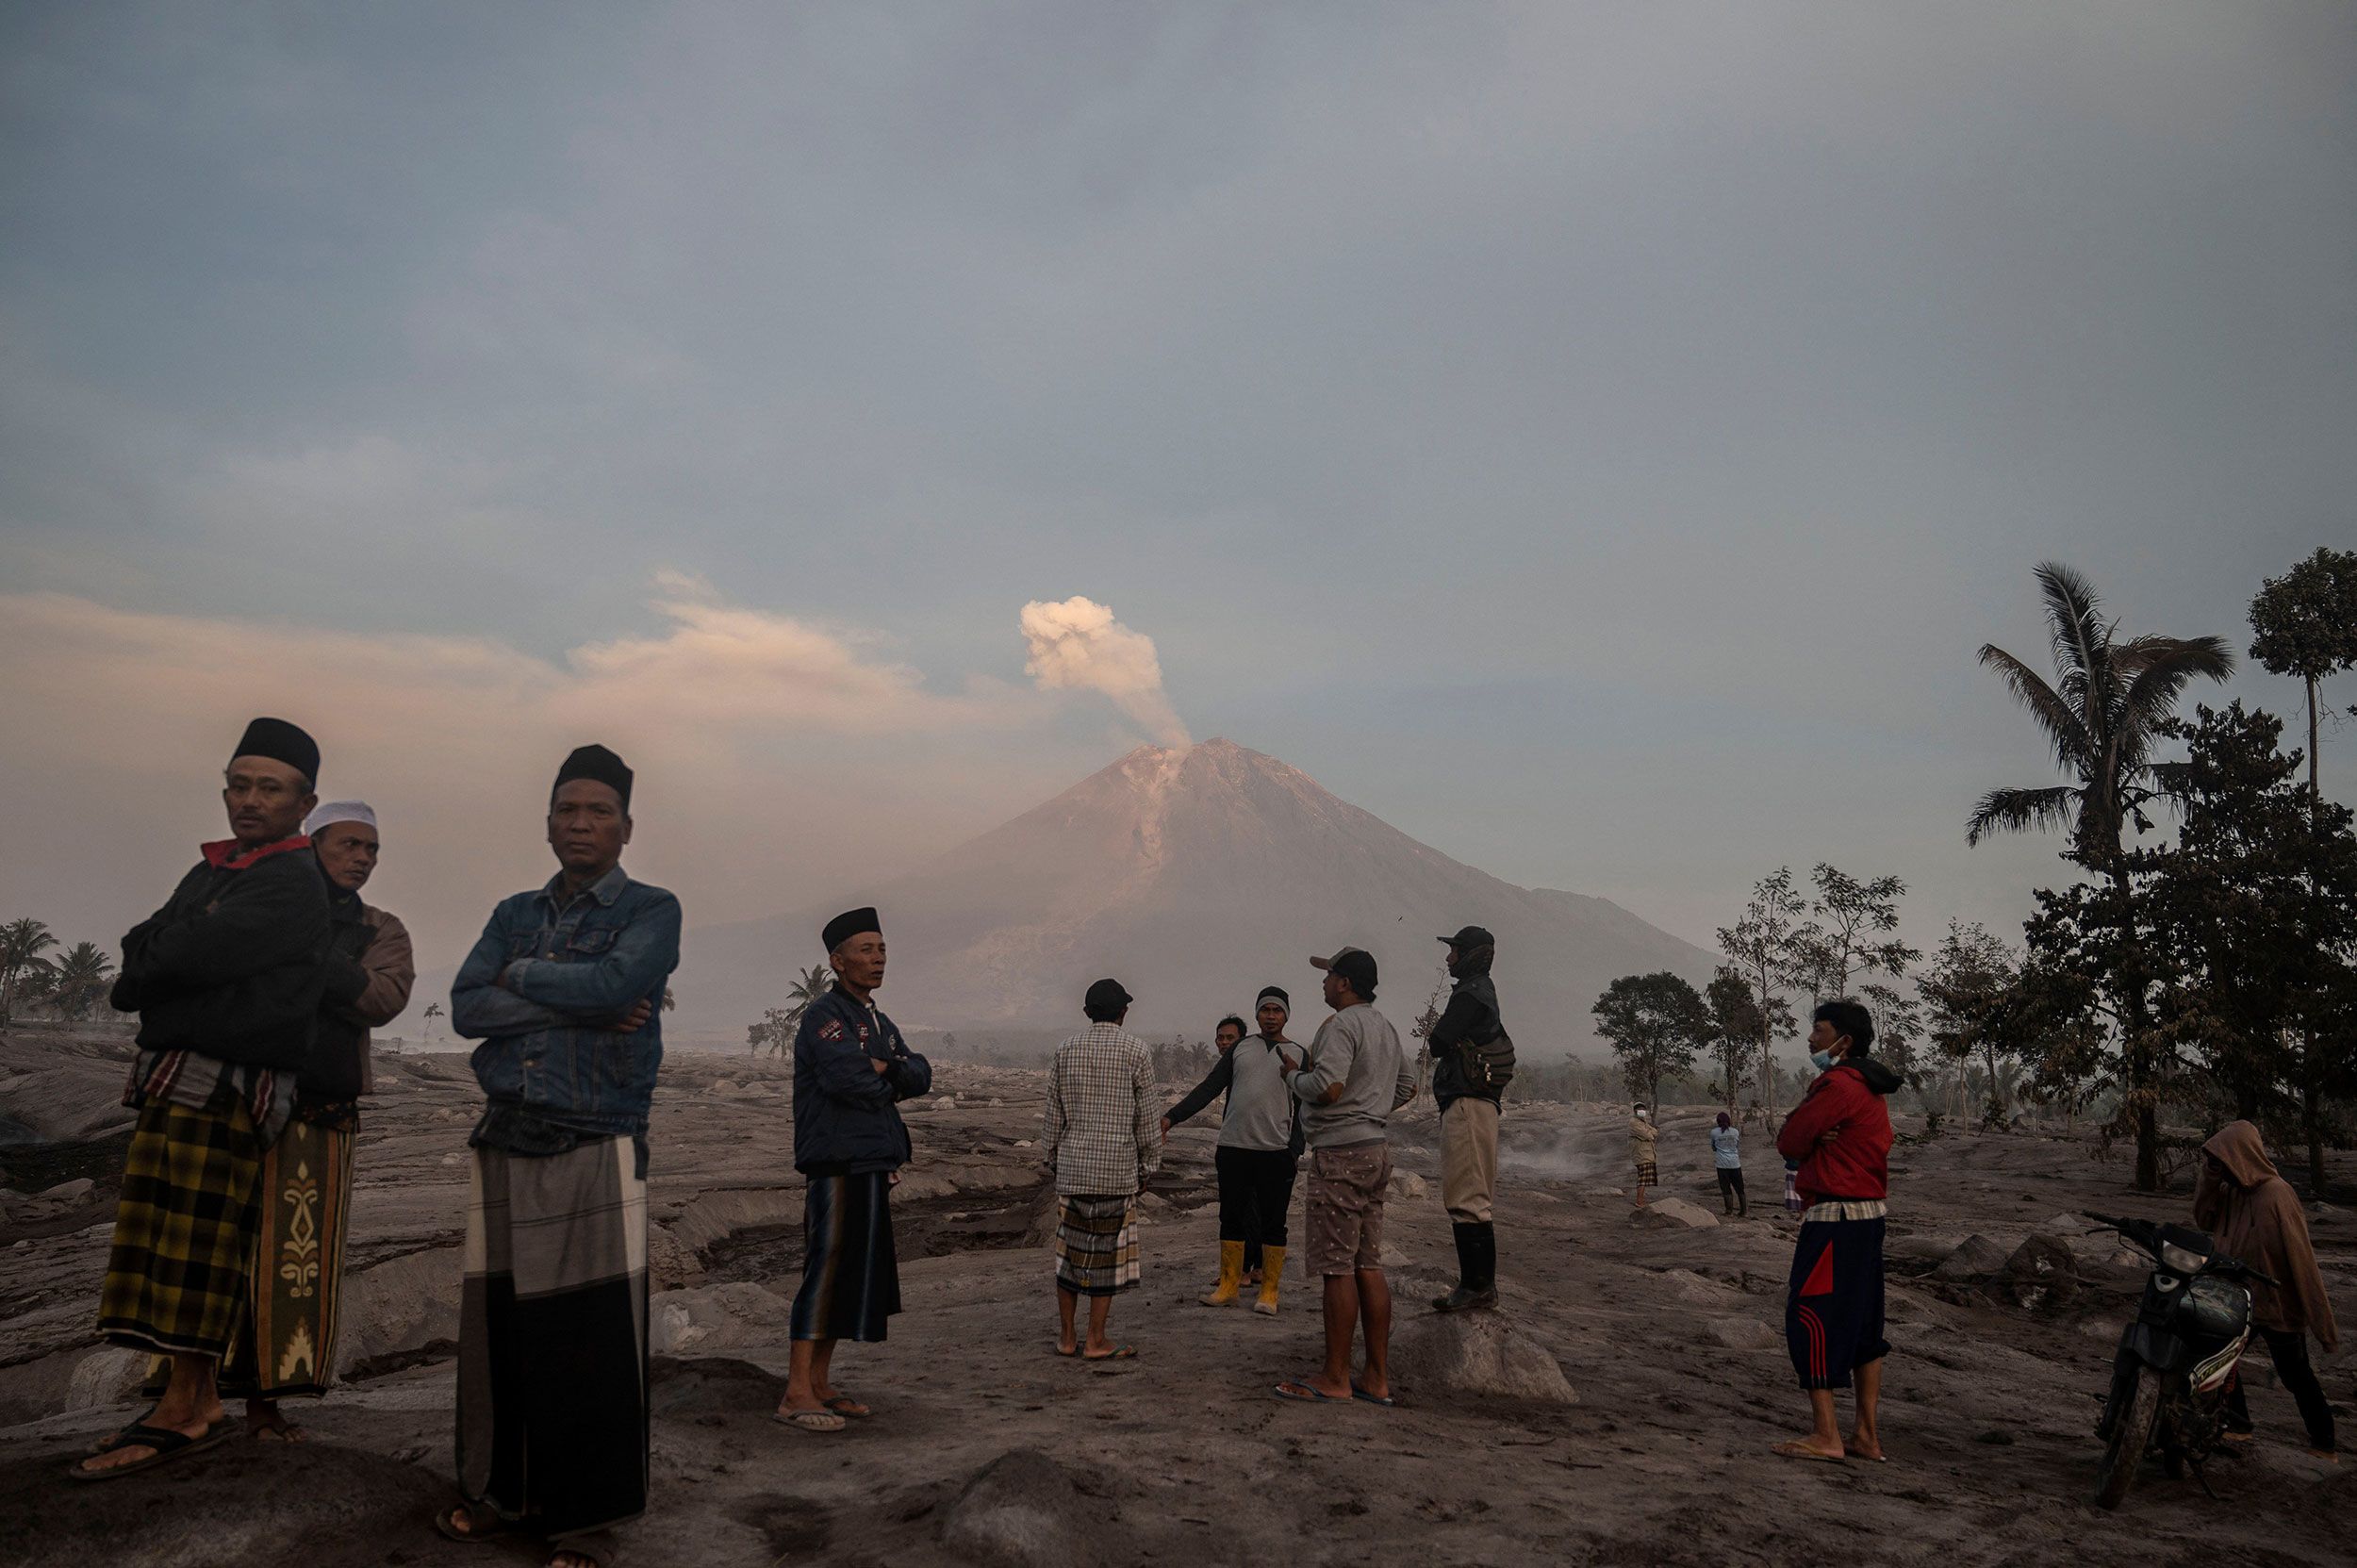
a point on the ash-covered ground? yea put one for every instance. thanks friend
(1619, 1409)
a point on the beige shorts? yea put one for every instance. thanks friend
(1344, 1215)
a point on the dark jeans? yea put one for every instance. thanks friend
(1731, 1192)
(2289, 1350)
(1256, 1187)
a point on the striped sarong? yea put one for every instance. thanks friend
(184, 1230)
(553, 1338)
(850, 1270)
(286, 1345)
(1096, 1245)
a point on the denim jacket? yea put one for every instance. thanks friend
(611, 945)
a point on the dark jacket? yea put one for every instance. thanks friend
(233, 966)
(367, 986)
(1848, 1099)
(1471, 1017)
(847, 1116)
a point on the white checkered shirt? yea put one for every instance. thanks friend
(1103, 1129)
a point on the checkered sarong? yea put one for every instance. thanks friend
(1648, 1174)
(184, 1230)
(1096, 1246)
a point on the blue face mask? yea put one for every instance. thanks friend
(1821, 1061)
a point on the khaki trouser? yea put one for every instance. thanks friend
(1469, 1159)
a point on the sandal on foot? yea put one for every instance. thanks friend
(482, 1522)
(1308, 1394)
(843, 1404)
(599, 1547)
(1357, 1392)
(117, 1438)
(1122, 1353)
(167, 1444)
(810, 1421)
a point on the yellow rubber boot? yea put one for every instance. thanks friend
(1230, 1274)
(1271, 1270)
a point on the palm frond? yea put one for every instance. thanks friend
(2063, 726)
(2022, 811)
(2076, 617)
(2159, 668)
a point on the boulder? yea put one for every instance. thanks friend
(67, 1192)
(717, 1216)
(107, 1377)
(1975, 1258)
(944, 1102)
(1023, 1511)
(725, 1086)
(1741, 1333)
(2040, 1272)
(671, 1263)
(1407, 1187)
(400, 1306)
(1673, 1214)
(1478, 1352)
(719, 1318)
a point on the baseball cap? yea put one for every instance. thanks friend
(1355, 965)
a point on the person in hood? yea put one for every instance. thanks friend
(1833, 1315)
(1469, 1075)
(2252, 1212)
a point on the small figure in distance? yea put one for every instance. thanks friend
(1726, 1157)
(1641, 1134)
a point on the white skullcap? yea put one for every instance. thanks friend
(338, 811)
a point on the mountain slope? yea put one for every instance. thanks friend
(1197, 876)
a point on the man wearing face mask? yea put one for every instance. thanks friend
(1840, 1133)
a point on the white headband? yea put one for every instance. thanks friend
(338, 811)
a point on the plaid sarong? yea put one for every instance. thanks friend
(553, 1365)
(286, 1345)
(1096, 1245)
(850, 1273)
(1648, 1174)
(184, 1230)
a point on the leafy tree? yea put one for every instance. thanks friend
(1761, 949)
(1898, 1028)
(2305, 623)
(1854, 919)
(2253, 913)
(1656, 1024)
(78, 978)
(779, 1024)
(1968, 993)
(22, 944)
(2102, 715)
(1736, 1027)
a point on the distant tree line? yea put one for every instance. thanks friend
(2211, 970)
(38, 975)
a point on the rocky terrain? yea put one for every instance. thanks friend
(1618, 1410)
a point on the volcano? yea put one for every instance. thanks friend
(1196, 875)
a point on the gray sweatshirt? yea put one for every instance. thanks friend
(1358, 1049)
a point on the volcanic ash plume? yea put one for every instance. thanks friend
(1078, 645)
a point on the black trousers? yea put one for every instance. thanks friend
(1731, 1186)
(2289, 1350)
(1256, 1187)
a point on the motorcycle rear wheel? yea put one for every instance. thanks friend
(2117, 1472)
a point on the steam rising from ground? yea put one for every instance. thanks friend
(1078, 645)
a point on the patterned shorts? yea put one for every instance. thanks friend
(1345, 1212)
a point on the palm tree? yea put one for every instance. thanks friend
(80, 978)
(808, 987)
(21, 943)
(2101, 717)
(433, 1011)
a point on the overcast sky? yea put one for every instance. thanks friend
(1595, 438)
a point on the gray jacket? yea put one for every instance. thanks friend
(1358, 1049)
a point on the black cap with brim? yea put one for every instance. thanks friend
(1469, 938)
(1355, 965)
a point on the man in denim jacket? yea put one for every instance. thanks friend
(565, 990)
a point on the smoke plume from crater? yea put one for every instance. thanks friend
(1078, 645)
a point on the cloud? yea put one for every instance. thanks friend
(770, 751)
(1078, 645)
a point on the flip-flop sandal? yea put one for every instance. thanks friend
(1310, 1394)
(599, 1547)
(1357, 1392)
(284, 1432)
(483, 1524)
(115, 1438)
(843, 1404)
(167, 1444)
(1795, 1449)
(810, 1421)
(1127, 1353)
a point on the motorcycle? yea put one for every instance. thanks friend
(2176, 1359)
